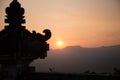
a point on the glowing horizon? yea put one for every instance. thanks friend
(87, 23)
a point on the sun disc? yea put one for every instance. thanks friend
(59, 43)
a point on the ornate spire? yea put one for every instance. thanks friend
(14, 0)
(15, 14)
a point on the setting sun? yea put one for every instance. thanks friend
(84, 23)
(60, 44)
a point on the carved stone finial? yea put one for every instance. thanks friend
(15, 14)
(14, 0)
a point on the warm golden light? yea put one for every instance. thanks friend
(60, 43)
(93, 23)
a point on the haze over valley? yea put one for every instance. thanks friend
(76, 59)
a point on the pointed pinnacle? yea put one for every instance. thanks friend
(15, 0)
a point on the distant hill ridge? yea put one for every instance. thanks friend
(118, 46)
(76, 59)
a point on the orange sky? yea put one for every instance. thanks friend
(87, 23)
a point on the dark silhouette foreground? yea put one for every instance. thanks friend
(18, 46)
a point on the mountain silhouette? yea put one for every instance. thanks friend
(76, 59)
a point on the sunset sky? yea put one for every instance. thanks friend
(86, 23)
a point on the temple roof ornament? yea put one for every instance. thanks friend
(15, 39)
(18, 46)
(15, 14)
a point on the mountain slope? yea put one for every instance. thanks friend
(75, 59)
